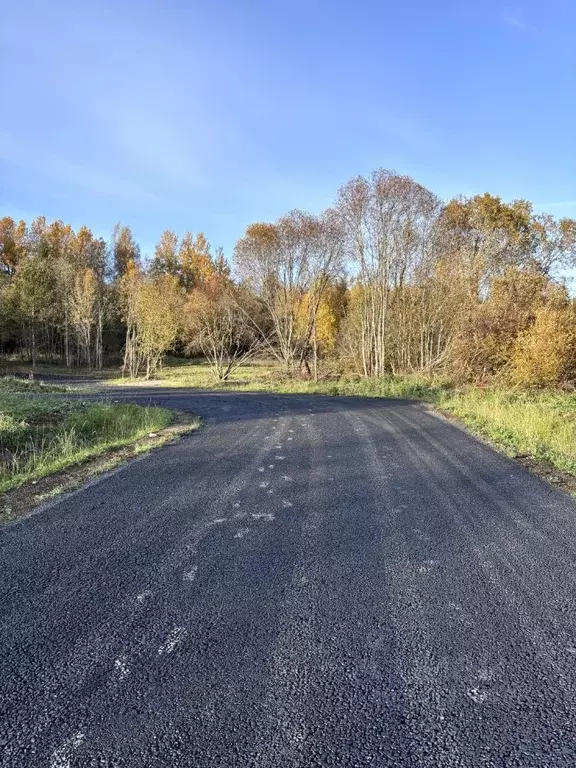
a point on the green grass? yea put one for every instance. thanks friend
(541, 425)
(43, 434)
(269, 377)
(15, 384)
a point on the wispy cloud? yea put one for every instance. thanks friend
(513, 16)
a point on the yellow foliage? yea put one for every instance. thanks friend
(326, 324)
(486, 344)
(196, 262)
(158, 308)
(544, 353)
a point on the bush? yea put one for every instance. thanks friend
(544, 353)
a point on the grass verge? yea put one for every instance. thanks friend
(536, 425)
(536, 428)
(45, 435)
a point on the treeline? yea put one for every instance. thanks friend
(389, 280)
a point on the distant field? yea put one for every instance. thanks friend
(539, 424)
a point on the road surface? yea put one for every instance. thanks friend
(306, 581)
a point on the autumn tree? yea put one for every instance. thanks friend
(544, 354)
(83, 306)
(196, 262)
(553, 243)
(485, 344)
(158, 309)
(288, 265)
(123, 250)
(219, 324)
(390, 281)
(89, 252)
(33, 292)
(389, 222)
(166, 261)
(330, 312)
(12, 245)
(484, 236)
(129, 287)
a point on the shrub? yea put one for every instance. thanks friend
(544, 353)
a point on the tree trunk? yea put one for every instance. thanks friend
(33, 343)
(315, 351)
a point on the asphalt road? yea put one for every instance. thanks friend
(307, 581)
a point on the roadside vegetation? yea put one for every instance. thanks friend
(42, 432)
(540, 424)
(391, 292)
(536, 425)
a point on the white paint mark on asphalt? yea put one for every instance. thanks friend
(236, 505)
(270, 466)
(485, 675)
(286, 503)
(260, 469)
(279, 458)
(278, 447)
(264, 484)
(241, 533)
(191, 574)
(144, 595)
(121, 667)
(477, 696)
(219, 520)
(270, 491)
(287, 478)
(175, 637)
(290, 438)
(263, 516)
(427, 566)
(62, 757)
(290, 430)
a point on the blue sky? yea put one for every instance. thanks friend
(210, 115)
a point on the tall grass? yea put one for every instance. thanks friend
(42, 435)
(539, 424)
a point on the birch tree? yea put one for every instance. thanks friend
(389, 221)
(288, 265)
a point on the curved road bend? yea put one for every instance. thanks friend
(307, 581)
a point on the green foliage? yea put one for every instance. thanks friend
(542, 425)
(13, 384)
(389, 281)
(42, 434)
